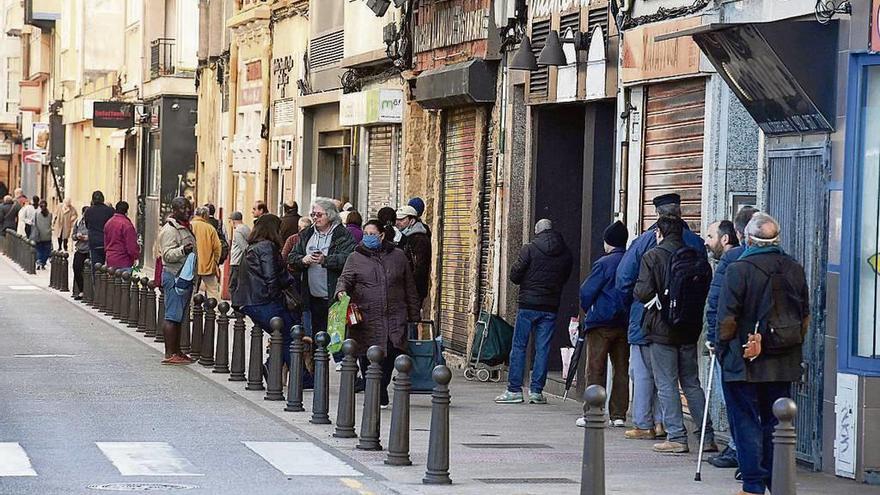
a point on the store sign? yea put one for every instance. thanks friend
(40, 136)
(375, 106)
(645, 59)
(113, 114)
(5, 147)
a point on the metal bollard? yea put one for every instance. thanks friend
(111, 292)
(274, 388)
(221, 361)
(206, 357)
(144, 284)
(151, 329)
(346, 407)
(159, 313)
(88, 287)
(321, 395)
(437, 472)
(63, 271)
(99, 287)
(236, 373)
(134, 303)
(125, 298)
(593, 463)
(398, 437)
(198, 325)
(185, 346)
(784, 473)
(255, 361)
(105, 290)
(295, 373)
(116, 294)
(32, 258)
(53, 269)
(371, 419)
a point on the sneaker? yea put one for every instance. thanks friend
(581, 422)
(710, 447)
(537, 398)
(618, 423)
(185, 357)
(724, 460)
(177, 360)
(668, 447)
(738, 475)
(384, 406)
(639, 434)
(338, 367)
(509, 397)
(659, 431)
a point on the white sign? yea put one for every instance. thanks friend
(40, 136)
(846, 422)
(5, 147)
(391, 106)
(375, 106)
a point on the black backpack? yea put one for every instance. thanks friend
(781, 327)
(688, 277)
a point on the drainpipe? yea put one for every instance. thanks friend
(499, 187)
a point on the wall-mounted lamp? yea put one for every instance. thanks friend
(551, 54)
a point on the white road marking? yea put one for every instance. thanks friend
(301, 459)
(147, 459)
(24, 287)
(14, 460)
(44, 355)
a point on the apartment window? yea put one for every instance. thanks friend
(133, 9)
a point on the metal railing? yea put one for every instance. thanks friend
(162, 57)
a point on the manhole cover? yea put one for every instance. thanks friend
(141, 487)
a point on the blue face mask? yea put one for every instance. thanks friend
(372, 241)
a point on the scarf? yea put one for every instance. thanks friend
(753, 250)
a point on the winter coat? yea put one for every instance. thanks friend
(4, 210)
(10, 221)
(416, 244)
(289, 244)
(715, 290)
(628, 273)
(96, 217)
(381, 284)
(261, 276)
(80, 237)
(601, 301)
(341, 246)
(652, 281)
(743, 303)
(541, 270)
(42, 231)
(240, 236)
(120, 242)
(173, 237)
(356, 232)
(65, 217)
(290, 223)
(208, 247)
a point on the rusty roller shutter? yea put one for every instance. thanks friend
(673, 155)
(380, 173)
(460, 173)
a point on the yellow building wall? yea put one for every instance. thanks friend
(209, 135)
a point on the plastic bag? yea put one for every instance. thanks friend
(336, 323)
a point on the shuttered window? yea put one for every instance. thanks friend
(380, 182)
(461, 171)
(673, 155)
(539, 79)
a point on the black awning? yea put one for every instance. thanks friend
(783, 72)
(467, 83)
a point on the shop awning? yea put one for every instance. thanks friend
(783, 72)
(467, 83)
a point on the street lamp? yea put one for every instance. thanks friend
(551, 54)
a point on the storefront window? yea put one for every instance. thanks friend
(867, 269)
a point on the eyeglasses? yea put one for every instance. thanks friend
(317, 214)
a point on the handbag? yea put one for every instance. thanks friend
(292, 299)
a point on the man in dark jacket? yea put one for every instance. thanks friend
(646, 412)
(543, 267)
(5, 208)
(673, 348)
(10, 221)
(218, 226)
(605, 324)
(290, 220)
(763, 289)
(96, 217)
(416, 244)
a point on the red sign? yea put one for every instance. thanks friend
(875, 26)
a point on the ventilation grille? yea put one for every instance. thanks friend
(326, 50)
(598, 17)
(539, 79)
(567, 21)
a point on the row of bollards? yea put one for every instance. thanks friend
(21, 250)
(58, 265)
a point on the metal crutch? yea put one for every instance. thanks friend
(698, 476)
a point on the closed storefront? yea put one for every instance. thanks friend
(673, 147)
(383, 153)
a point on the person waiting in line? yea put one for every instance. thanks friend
(259, 209)
(416, 244)
(290, 220)
(290, 242)
(176, 244)
(240, 234)
(387, 216)
(80, 237)
(27, 215)
(208, 250)
(5, 209)
(120, 240)
(65, 217)
(221, 234)
(354, 223)
(42, 234)
(378, 278)
(96, 218)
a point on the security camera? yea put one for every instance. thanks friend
(175, 106)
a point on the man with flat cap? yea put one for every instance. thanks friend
(646, 410)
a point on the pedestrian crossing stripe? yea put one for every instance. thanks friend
(301, 459)
(14, 461)
(147, 459)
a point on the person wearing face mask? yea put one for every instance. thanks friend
(416, 244)
(378, 278)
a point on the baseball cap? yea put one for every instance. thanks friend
(406, 211)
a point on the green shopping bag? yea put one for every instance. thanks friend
(336, 323)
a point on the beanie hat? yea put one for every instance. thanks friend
(418, 204)
(616, 234)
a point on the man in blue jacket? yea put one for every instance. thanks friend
(647, 417)
(605, 324)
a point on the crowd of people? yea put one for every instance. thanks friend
(645, 309)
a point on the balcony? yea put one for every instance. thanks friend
(162, 58)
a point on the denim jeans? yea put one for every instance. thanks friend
(261, 314)
(646, 409)
(719, 385)
(44, 250)
(528, 321)
(750, 409)
(674, 365)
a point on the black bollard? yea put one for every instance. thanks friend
(53, 269)
(255, 361)
(295, 373)
(221, 360)
(398, 437)
(125, 298)
(321, 395)
(784, 473)
(144, 284)
(117, 294)
(437, 472)
(134, 303)
(159, 313)
(206, 357)
(274, 388)
(593, 465)
(151, 328)
(88, 287)
(371, 419)
(198, 325)
(236, 372)
(100, 293)
(346, 407)
(112, 290)
(31, 258)
(62, 275)
(185, 346)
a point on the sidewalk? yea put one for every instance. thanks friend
(510, 449)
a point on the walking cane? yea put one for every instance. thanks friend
(698, 476)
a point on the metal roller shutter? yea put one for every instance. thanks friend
(673, 156)
(461, 171)
(380, 192)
